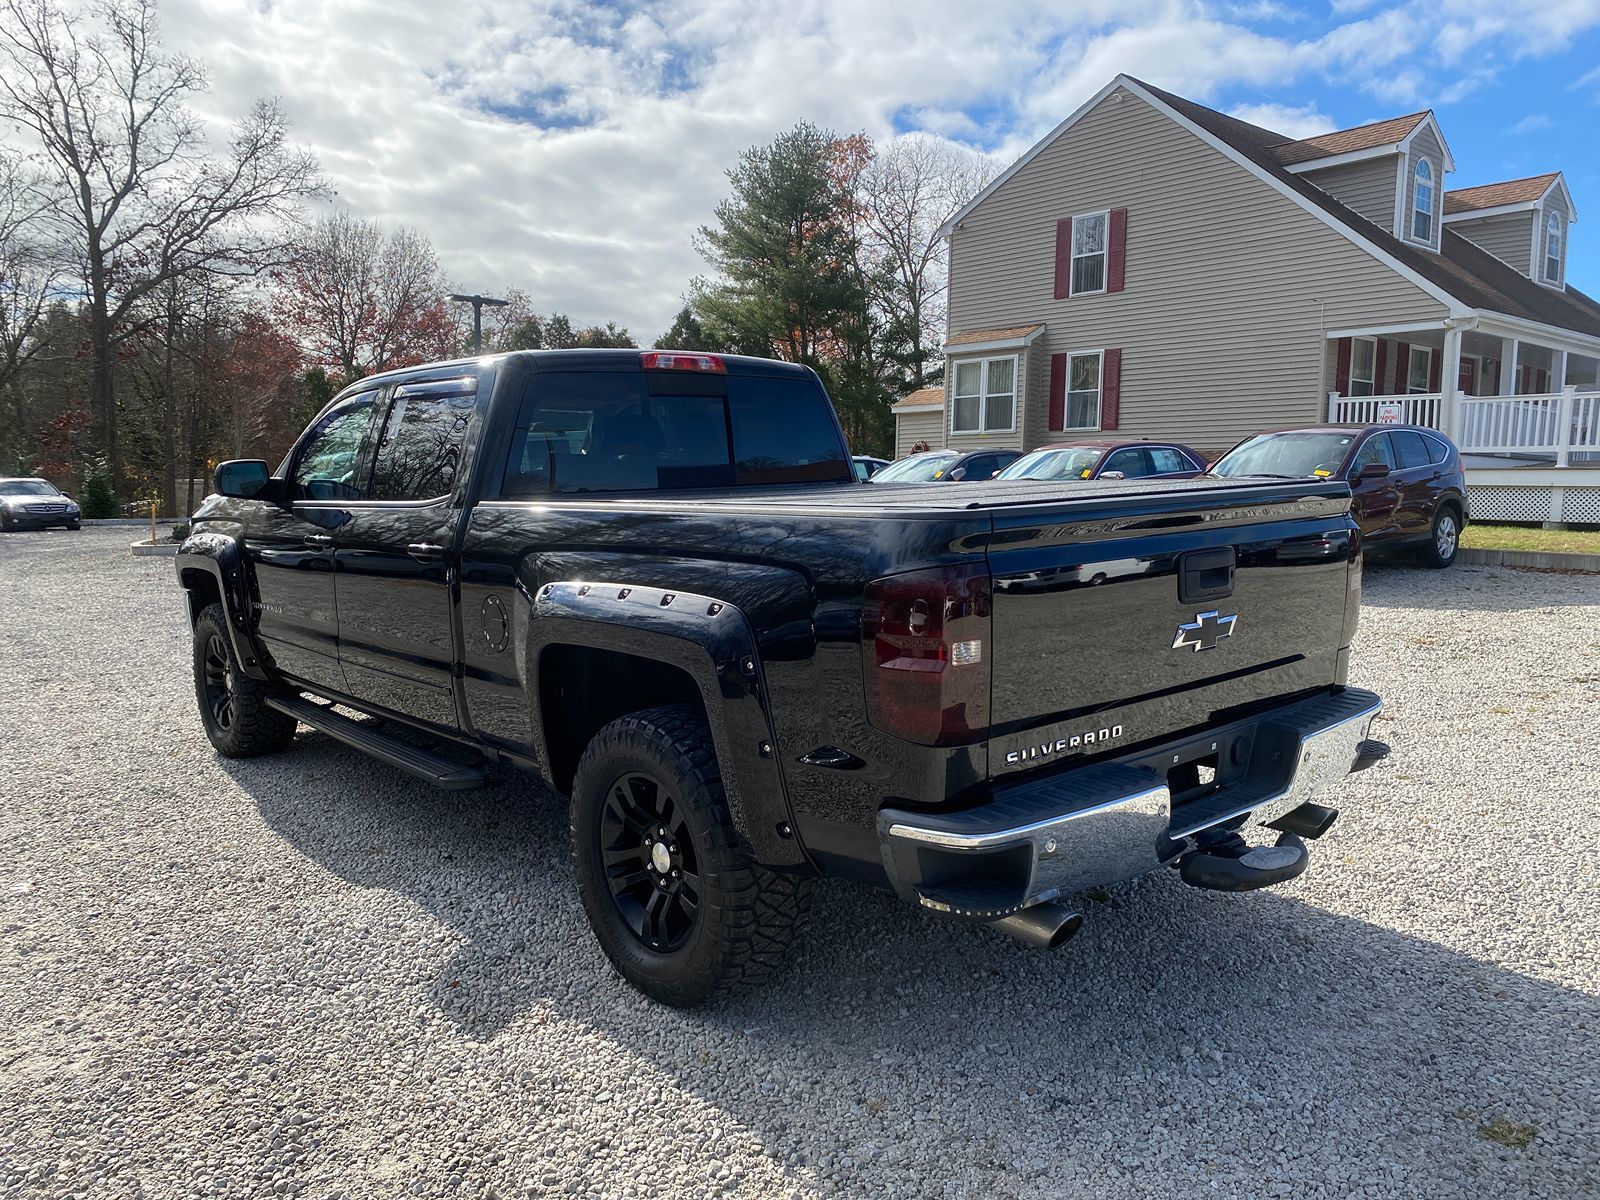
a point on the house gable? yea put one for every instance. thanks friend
(1230, 285)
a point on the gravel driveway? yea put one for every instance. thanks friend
(309, 975)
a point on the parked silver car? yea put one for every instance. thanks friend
(35, 504)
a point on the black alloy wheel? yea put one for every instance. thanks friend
(672, 891)
(218, 684)
(233, 706)
(652, 868)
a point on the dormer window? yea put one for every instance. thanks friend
(1422, 202)
(1554, 228)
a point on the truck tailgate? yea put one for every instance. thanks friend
(1169, 613)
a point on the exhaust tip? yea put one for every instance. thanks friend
(1045, 926)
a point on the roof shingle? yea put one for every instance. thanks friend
(1344, 141)
(920, 398)
(992, 335)
(1491, 195)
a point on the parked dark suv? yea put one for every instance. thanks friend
(1408, 489)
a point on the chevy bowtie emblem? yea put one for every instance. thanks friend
(1205, 631)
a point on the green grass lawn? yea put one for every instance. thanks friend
(1531, 537)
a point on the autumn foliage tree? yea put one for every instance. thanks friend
(360, 300)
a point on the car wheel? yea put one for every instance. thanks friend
(675, 899)
(233, 707)
(74, 525)
(1445, 542)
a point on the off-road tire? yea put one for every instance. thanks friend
(748, 917)
(252, 728)
(1444, 538)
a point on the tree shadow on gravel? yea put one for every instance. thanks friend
(1176, 1010)
(1471, 588)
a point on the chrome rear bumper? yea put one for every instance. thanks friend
(1111, 821)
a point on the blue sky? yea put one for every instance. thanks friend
(572, 148)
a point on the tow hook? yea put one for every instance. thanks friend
(1258, 867)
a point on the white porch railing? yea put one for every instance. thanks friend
(1421, 409)
(1558, 424)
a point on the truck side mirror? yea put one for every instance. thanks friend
(242, 477)
(958, 474)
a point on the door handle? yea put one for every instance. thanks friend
(319, 539)
(425, 551)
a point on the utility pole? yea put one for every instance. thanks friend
(477, 303)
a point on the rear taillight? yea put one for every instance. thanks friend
(677, 360)
(925, 636)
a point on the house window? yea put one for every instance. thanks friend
(1363, 366)
(1089, 254)
(985, 398)
(1419, 371)
(1083, 390)
(1422, 203)
(1552, 248)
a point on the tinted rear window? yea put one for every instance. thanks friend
(600, 431)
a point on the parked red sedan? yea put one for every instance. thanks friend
(1407, 488)
(1103, 458)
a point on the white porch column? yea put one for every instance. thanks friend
(1508, 368)
(1450, 385)
(1558, 370)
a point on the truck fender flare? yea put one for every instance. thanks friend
(712, 642)
(219, 556)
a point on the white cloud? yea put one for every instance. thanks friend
(1296, 122)
(572, 148)
(1530, 124)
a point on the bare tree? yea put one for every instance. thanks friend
(362, 301)
(912, 185)
(143, 199)
(30, 267)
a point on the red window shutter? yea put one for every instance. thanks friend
(1058, 391)
(1402, 368)
(1380, 363)
(1341, 374)
(1111, 389)
(1063, 258)
(1117, 249)
(1435, 369)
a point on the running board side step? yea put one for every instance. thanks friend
(433, 768)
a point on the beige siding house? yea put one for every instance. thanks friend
(1160, 269)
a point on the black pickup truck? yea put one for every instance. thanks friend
(653, 580)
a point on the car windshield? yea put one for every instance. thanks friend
(1290, 455)
(27, 487)
(1054, 464)
(919, 468)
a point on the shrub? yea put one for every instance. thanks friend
(97, 500)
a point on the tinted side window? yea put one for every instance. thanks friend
(329, 464)
(1129, 461)
(1167, 461)
(420, 451)
(1375, 449)
(594, 431)
(784, 432)
(1438, 452)
(1409, 449)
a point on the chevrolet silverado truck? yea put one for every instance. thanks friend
(653, 580)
